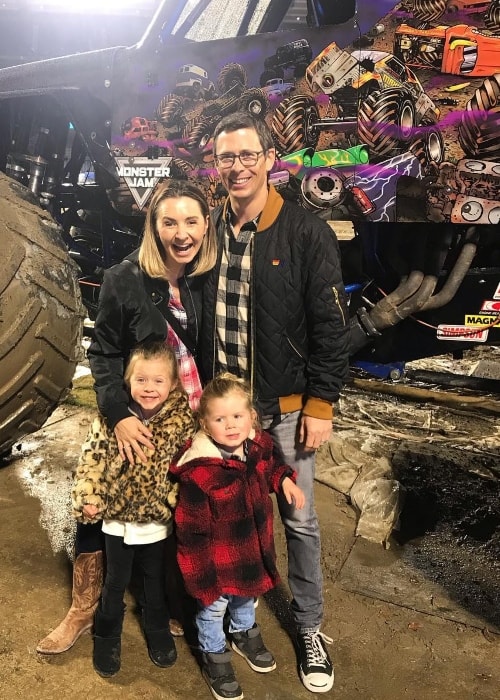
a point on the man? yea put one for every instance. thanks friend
(275, 314)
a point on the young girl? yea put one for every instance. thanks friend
(134, 502)
(224, 528)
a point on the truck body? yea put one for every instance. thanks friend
(410, 167)
(458, 50)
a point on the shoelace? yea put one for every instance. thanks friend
(316, 655)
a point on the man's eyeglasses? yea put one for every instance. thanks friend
(246, 158)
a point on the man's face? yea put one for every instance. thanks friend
(244, 183)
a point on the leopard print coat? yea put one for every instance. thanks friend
(132, 492)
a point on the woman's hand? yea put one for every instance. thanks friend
(132, 436)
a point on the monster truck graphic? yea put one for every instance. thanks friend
(466, 193)
(276, 88)
(140, 128)
(233, 95)
(430, 10)
(457, 50)
(373, 90)
(193, 81)
(492, 16)
(296, 54)
(479, 129)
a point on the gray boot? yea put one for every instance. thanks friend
(219, 674)
(250, 646)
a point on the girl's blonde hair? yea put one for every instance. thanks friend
(156, 350)
(151, 251)
(222, 385)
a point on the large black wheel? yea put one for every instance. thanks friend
(479, 130)
(198, 133)
(428, 10)
(492, 16)
(386, 121)
(41, 315)
(232, 77)
(294, 124)
(180, 167)
(169, 111)
(255, 101)
(428, 147)
(300, 70)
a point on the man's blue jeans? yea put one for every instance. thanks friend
(210, 621)
(301, 526)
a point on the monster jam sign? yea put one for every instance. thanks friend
(142, 175)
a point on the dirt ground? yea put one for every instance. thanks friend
(418, 619)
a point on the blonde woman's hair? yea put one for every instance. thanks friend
(151, 251)
(156, 350)
(222, 385)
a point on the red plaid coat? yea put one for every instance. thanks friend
(224, 518)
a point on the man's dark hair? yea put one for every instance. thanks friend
(244, 120)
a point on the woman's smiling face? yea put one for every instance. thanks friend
(181, 226)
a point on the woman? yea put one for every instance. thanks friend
(154, 294)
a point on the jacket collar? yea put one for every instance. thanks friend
(203, 446)
(272, 208)
(173, 398)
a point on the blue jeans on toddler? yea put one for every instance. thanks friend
(210, 621)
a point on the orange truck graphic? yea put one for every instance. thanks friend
(457, 50)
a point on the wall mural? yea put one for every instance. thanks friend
(397, 120)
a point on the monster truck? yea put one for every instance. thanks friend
(389, 96)
(276, 88)
(430, 10)
(297, 55)
(74, 190)
(140, 128)
(193, 81)
(456, 50)
(234, 95)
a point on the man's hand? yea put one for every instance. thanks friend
(132, 436)
(314, 432)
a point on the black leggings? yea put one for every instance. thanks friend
(120, 558)
(89, 538)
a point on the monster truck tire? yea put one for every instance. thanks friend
(180, 167)
(198, 133)
(479, 129)
(428, 10)
(41, 315)
(492, 16)
(300, 70)
(294, 124)
(212, 111)
(386, 120)
(169, 111)
(255, 101)
(267, 75)
(232, 77)
(428, 147)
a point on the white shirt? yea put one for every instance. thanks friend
(137, 533)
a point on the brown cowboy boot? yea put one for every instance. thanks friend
(87, 585)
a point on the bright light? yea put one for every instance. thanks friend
(94, 6)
